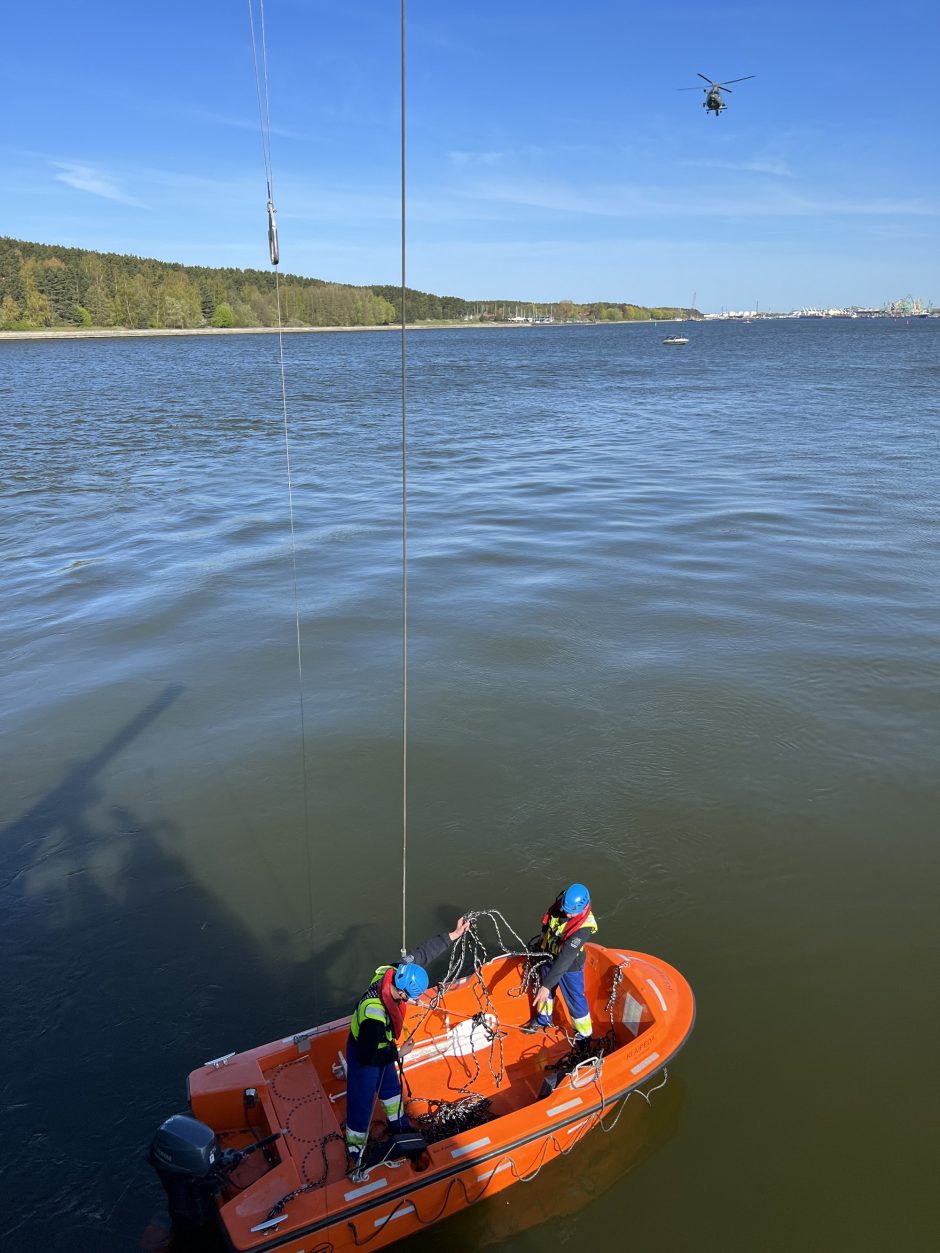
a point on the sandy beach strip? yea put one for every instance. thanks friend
(120, 332)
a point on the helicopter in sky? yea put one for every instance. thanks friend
(713, 102)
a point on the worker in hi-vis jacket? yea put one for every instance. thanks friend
(372, 1048)
(566, 927)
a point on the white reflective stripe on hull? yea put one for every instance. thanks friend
(489, 1174)
(399, 1213)
(470, 1148)
(662, 1000)
(645, 1064)
(560, 1109)
(369, 1187)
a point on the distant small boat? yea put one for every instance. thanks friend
(675, 339)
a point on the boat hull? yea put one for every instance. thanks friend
(302, 1199)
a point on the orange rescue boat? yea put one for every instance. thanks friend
(261, 1156)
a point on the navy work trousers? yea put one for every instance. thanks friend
(571, 986)
(363, 1083)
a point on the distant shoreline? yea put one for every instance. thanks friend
(121, 332)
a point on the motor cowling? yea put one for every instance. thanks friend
(185, 1154)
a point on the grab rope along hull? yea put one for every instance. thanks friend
(297, 1197)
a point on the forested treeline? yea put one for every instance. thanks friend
(42, 285)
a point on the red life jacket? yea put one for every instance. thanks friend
(394, 1009)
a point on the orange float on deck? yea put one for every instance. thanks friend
(294, 1195)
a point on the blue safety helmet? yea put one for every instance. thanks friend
(411, 979)
(575, 898)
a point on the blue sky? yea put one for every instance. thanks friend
(550, 154)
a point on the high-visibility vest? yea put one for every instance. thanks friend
(557, 927)
(370, 1006)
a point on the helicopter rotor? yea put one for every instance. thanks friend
(720, 86)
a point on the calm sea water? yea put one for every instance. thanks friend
(674, 625)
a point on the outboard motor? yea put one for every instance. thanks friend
(185, 1154)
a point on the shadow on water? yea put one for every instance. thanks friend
(120, 982)
(123, 974)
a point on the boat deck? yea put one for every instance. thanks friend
(298, 1187)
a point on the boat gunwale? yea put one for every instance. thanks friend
(447, 1174)
(458, 1168)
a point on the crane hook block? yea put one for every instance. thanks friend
(272, 233)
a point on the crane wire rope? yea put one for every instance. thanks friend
(404, 522)
(264, 122)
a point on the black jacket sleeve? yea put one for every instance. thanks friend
(373, 1047)
(571, 953)
(429, 950)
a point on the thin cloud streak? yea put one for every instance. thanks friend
(464, 159)
(644, 202)
(239, 123)
(756, 165)
(86, 178)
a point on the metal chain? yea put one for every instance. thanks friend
(445, 1119)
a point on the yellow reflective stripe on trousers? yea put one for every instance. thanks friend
(392, 1107)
